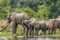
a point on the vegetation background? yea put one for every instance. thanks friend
(39, 9)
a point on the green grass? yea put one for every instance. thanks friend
(53, 35)
(5, 34)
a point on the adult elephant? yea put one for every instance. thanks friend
(58, 19)
(15, 18)
(37, 25)
(52, 26)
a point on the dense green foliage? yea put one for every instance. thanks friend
(41, 9)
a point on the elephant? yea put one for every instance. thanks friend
(37, 25)
(58, 19)
(15, 18)
(52, 26)
(43, 26)
(25, 23)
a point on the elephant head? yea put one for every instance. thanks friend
(10, 17)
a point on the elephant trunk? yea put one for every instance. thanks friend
(4, 27)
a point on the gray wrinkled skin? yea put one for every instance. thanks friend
(15, 18)
(37, 25)
(25, 23)
(52, 26)
(58, 19)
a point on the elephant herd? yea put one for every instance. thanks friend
(31, 25)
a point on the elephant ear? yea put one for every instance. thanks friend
(12, 16)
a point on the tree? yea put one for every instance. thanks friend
(43, 12)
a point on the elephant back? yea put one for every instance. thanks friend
(25, 16)
(21, 17)
(42, 24)
(33, 20)
(41, 21)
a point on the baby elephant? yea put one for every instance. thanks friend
(25, 23)
(37, 26)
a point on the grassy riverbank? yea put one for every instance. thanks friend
(19, 32)
(54, 35)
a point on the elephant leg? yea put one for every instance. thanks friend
(52, 31)
(27, 31)
(32, 32)
(44, 32)
(55, 31)
(24, 29)
(49, 31)
(36, 31)
(14, 28)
